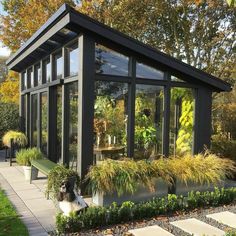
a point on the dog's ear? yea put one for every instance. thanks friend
(60, 197)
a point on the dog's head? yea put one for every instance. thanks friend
(66, 191)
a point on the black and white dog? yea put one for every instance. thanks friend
(69, 200)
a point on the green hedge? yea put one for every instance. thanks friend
(9, 118)
(101, 216)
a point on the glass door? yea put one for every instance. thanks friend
(39, 120)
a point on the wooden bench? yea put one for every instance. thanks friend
(44, 166)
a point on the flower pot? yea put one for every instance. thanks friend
(27, 172)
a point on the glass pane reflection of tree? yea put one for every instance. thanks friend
(110, 121)
(44, 122)
(73, 124)
(34, 121)
(148, 121)
(181, 120)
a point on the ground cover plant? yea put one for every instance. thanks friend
(102, 216)
(10, 224)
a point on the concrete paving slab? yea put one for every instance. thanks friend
(197, 228)
(225, 217)
(154, 230)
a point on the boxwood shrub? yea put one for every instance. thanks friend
(101, 216)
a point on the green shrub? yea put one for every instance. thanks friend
(57, 175)
(9, 118)
(101, 216)
(125, 176)
(223, 147)
(19, 138)
(24, 156)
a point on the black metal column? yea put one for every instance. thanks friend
(86, 103)
(131, 108)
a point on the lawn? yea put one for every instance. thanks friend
(10, 224)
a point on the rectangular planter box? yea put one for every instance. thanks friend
(143, 194)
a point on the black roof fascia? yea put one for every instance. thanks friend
(45, 27)
(88, 24)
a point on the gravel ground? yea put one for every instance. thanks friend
(164, 222)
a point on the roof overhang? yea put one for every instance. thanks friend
(41, 43)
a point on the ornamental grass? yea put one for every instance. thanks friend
(125, 176)
(18, 138)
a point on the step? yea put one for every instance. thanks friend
(154, 230)
(197, 228)
(224, 217)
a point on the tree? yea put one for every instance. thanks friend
(24, 17)
(3, 68)
(201, 35)
(9, 89)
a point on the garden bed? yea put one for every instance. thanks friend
(10, 224)
(158, 210)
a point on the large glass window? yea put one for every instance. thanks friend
(145, 71)
(110, 120)
(58, 60)
(73, 124)
(73, 60)
(38, 76)
(181, 120)
(110, 62)
(148, 121)
(34, 119)
(44, 121)
(25, 113)
(47, 70)
(59, 122)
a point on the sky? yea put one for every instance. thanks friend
(3, 50)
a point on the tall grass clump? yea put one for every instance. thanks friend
(19, 138)
(124, 176)
(204, 168)
(25, 156)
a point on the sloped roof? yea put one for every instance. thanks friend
(53, 35)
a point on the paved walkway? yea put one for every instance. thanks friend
(192, 226)
(35, 210)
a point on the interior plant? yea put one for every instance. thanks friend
(24, 158)
(19, 138)
(57, 175)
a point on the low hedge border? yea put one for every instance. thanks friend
(102, 216)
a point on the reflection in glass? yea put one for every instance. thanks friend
(148, 121)
(38, 77)
(145, 71)
(181, 120)
(30, 78)
(34, 119)
(47, 70)
(110, 120)
(59, 122)
(176, 79)
(110, 62)
(73, 124)
(44, 122)
(24, 113)
(73, 59)
(59, 65)
(24, 81)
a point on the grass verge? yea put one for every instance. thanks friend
(10, 223)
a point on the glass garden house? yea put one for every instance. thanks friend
(89, 92)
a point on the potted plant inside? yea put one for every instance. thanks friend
(24, 157)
